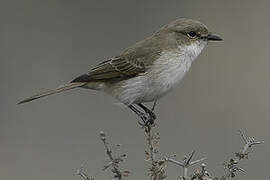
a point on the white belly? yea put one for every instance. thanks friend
(153, 84)
(161, 78)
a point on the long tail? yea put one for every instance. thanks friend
(54, 91)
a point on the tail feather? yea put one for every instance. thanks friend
(54, 91)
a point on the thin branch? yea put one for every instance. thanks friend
(186, 163)
(150, 144)
(249, 142)
(81, 173)
(114, 162)
(151, 151)
(157, 169)
(202, 174)
(232, 166)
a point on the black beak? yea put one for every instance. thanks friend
(213, 37)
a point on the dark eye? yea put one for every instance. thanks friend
(191, 34)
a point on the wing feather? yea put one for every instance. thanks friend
(114, 68)
(132, 61)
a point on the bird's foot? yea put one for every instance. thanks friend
(147, 119)
(149, 114)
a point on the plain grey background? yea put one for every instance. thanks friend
(46, 43)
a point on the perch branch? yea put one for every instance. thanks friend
(157, 169)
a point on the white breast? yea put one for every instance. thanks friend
(161, 78)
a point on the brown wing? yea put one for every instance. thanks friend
(131, 62)
(112, 69)
(117, 67)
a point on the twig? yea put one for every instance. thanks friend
(249, 142)
(114, 162)
(232, 166)
(150, 153)
(186, 163)
(81, 172)
(202, 174)
(157, 169)
(149, 138)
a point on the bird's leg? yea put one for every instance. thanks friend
(139, 113)
(154, 106)
(150, 112)
(146, 117)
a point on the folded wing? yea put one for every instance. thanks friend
(113, 69)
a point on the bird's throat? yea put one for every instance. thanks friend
(192, 51)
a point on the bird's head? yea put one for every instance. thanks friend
(188, 33)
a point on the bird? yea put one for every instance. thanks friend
(148, 70)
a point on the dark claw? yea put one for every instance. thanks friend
(151, 115)
(148, 118)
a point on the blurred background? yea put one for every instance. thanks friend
(46, 43)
